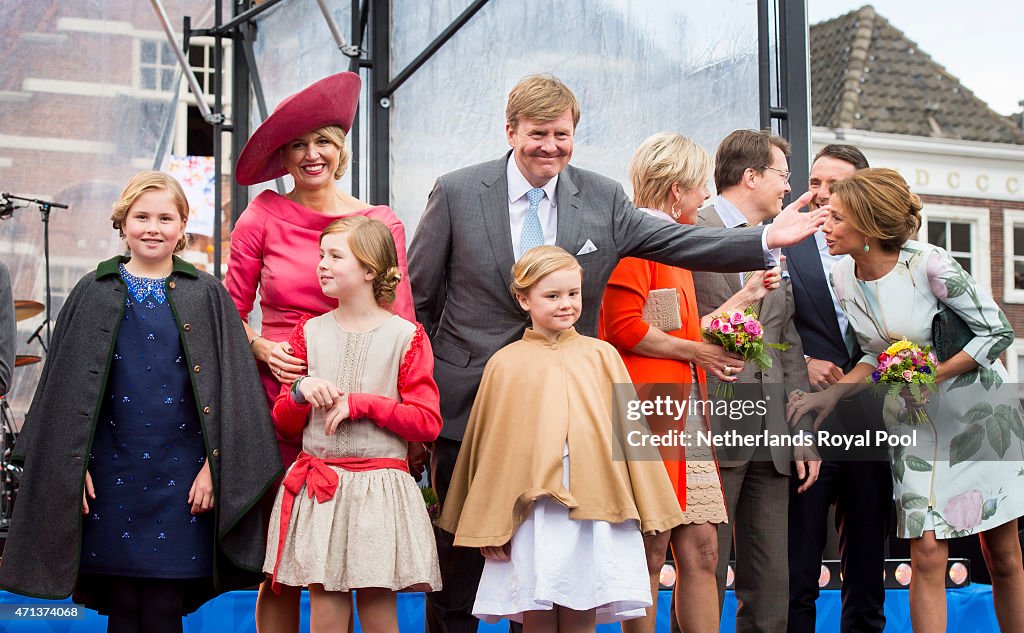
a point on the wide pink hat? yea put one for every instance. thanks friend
(330, 101)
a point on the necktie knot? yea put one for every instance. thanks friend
(534, 196)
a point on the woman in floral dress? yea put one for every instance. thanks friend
(963, 470)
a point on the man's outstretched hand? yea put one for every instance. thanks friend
(791, 226)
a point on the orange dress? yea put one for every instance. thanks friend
(697, 484)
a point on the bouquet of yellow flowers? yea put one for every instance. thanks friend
(740, 333)
(906, 370)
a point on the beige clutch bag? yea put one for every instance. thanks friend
(662, 309)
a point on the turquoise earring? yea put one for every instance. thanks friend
(866, 247)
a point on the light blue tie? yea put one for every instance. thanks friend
(533, 234)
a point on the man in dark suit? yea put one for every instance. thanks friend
(752, 177)
(860, 489)
(479, 219)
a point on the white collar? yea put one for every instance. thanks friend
(518, 185)
(731, 216)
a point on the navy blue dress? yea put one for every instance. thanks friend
(146, 452)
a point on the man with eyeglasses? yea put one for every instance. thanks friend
(752, 178)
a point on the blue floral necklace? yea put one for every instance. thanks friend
(140, 287)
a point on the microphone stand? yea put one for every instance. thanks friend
(45, 207)
(35, 335)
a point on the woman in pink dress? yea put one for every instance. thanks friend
(274, 250)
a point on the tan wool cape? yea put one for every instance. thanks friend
(536, 394)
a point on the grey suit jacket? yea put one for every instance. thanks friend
(788, 370)
(460, 265)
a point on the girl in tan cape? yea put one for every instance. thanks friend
(546, 484)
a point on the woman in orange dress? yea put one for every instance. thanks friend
(649, 314)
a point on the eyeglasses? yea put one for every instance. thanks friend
(785, 174)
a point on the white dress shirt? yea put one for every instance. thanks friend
(518, 205)
(829, 260)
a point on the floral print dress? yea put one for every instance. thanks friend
(963, 470)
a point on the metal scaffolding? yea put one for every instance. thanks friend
(783, 86)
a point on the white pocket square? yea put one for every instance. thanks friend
(587, 248)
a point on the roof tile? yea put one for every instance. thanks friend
(867, 75)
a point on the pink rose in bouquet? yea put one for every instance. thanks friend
(752, 328)
(742, 334)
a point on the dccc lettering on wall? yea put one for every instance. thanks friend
(953, 180)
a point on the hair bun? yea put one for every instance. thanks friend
(915, 205)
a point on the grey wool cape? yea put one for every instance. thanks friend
(43, 547)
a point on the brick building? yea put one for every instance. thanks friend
(86, 95)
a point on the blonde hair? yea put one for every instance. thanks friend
(542, 98)
(537, 263)
(373, 245)
(878, 203)
(150, 181)
(337, 136)
(663, 160)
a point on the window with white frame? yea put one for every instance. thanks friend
(1013, 256)
(964, 233)
(157, 66)
(193, 136)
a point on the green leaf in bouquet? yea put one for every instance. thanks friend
(711, 337)
(762, 359)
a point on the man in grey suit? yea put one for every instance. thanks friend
(479, 219)
(752, 177)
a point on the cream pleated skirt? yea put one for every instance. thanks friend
(374, 532)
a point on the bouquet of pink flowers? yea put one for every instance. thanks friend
(740, 333)
(906, 370)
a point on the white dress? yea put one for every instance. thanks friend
(580, 565)
(964, 472)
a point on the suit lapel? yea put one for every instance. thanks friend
(567, 206)
(708, 216)
(494, 206)
(805, 264)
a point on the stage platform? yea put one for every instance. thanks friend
(970, 611)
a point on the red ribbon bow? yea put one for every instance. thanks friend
(321, 482)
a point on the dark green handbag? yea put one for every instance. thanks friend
(949, 334)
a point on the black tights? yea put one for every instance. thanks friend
(145, 605)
